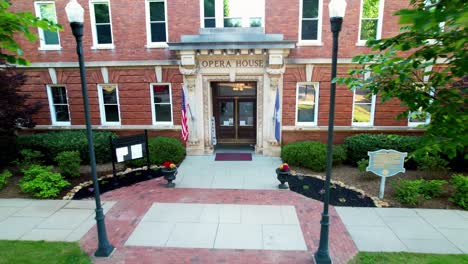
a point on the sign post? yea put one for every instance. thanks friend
(129, 148)
(386, 163)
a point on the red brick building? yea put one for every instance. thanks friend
(232, 57)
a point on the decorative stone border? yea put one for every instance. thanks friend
(77, 188)
(375, 199)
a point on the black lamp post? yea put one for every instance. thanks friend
(337, 10)
(75, 14)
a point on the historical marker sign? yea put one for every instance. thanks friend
(386, 163)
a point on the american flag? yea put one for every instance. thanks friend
(185, 131)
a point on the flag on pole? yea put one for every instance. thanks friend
(185, 131)
(277, 116)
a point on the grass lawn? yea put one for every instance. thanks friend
(407, 258)
(38, 252)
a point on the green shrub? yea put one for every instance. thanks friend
(408, 191)
(362, 165)
(357, 146)
(69, 163)
(412, 191)
(31, 156)
(162, 149)
(4, 178)
(42, 182)
(310, 154)
(432, 163)
(52, 143)
(460, 197)
(432, 189)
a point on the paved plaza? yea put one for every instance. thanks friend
(409, 230)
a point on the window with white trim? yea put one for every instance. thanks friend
(156, 21)
(420, 117)
(370, 26)
(58, 104)
(310, 24)
(109, 104)
(232, 13)
(101, 23)
(307, 95)
(363, 107)
(48, 39)
(161, 103)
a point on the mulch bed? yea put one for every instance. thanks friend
(340, 196)
(370, 183)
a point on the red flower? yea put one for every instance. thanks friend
(167, 164)
(285, 167)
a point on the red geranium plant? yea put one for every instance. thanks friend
(169, 165)
(284, 167)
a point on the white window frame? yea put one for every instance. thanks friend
(153, 109)
(92, 15)
(43, 45)
(219, 15)
(316, 106)
(159, 44)
(428, 116)
(102, 108)
(379, 23)
(50, 98)
(372, 113)
(318, 41)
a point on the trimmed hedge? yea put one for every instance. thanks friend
(311, 154)
(53, 143)
(162, 149)
(357, 146)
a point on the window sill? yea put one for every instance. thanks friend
(361, 43)
(111, 125)
(99, 47)
(309, 43)
(362, 125)
(61, 124)
(305, 125)
(157, 45)
(45, 48)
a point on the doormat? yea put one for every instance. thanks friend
(233, 156)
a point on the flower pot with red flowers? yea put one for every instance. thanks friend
(169, 172)
(282, 173)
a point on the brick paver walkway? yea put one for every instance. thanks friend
(134, 201)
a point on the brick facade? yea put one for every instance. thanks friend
(136, 70)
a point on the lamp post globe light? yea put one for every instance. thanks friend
(75, 14)
(337, 9)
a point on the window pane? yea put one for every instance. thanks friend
(306, 103)
(161, 94)
(418, 116)
(157, 11)
(163, 112)
(51, 38)
(255, 22)
(109, 94)
(158, 32)
(61, 113)
(48, 12)
(309, 29)
(362, 113)
(210, 22)
(209, 8)
(370, 9)
(226, 113)
(59, 95)
(233, 22)
(112, 113)
(104, 34)
(310, 8)
(369, 29)
(246, 114)
(363, 96)
(101, 13)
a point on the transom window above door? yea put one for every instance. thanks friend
(232, 13)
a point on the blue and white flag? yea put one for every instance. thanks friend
(277, 117)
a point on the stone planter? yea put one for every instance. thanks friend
(169, 175)
(282, 177)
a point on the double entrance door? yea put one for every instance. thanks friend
(234, 108)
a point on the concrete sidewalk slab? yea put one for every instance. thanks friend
(410, 230)
(49, 220)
